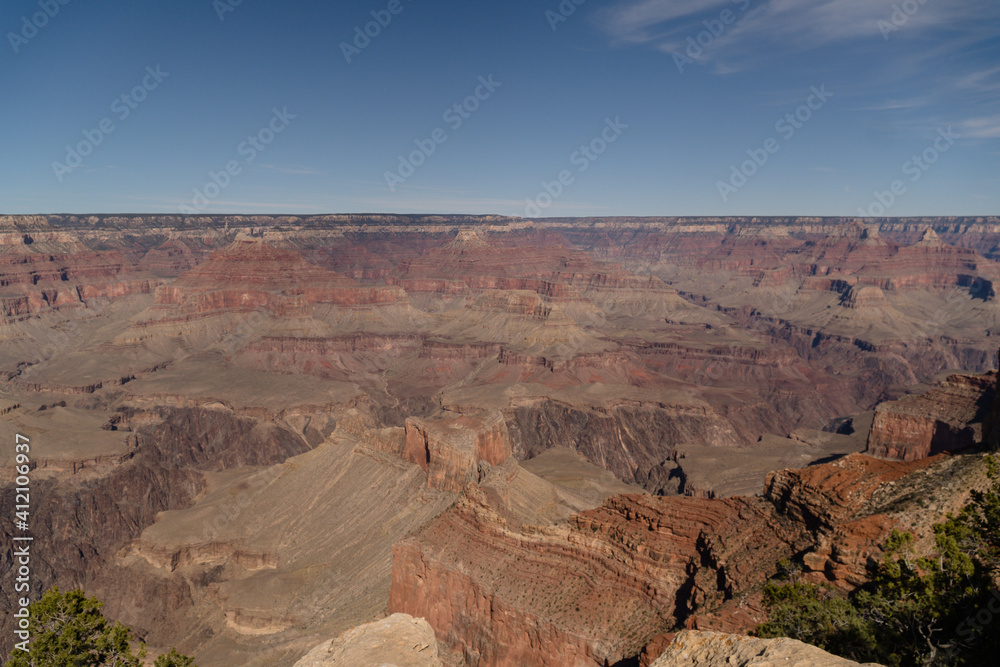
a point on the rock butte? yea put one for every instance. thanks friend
(947, 418)
(272, 430)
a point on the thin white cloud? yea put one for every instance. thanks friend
(171, 204)
(774, 28)
(984, 127)
(424, 188)
(987, 80)
(940, 47)
(669, 22)
(415, 204)
(634, 21)
(243, 205)
(470, 205)
(894, 105)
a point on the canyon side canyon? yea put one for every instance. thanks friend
(274, 439)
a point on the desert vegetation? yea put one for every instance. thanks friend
(936, 609)
(71, 631)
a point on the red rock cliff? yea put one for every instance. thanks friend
(945, 419)
(595, 590)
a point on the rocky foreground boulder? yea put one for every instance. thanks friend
(403, 641)
(715, 649)
(399, 640)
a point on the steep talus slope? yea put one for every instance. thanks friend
(85, 518)
(272, 559)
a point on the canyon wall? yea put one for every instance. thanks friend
(151, 354)
(947, 418)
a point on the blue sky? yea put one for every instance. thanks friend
(634, 107)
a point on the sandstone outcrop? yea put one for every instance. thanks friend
(851, 505)
(691, 648)
(824, 497)
(870, 296)
(399, 640)
(450, 450)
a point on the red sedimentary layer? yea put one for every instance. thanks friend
(827, 496)
(595, 590)
(253, 275)
(34, 282)
(175, 256)
(514, 303)
(941, 420)
(854, 256)
(362, 357)
(831, 500)
(552, 271)
(617, 577)
(451, 448)
(611, 367)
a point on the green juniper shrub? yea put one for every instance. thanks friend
(941, 609)
(69, 630)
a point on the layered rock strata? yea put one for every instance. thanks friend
(597, 589)
(945, 419)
